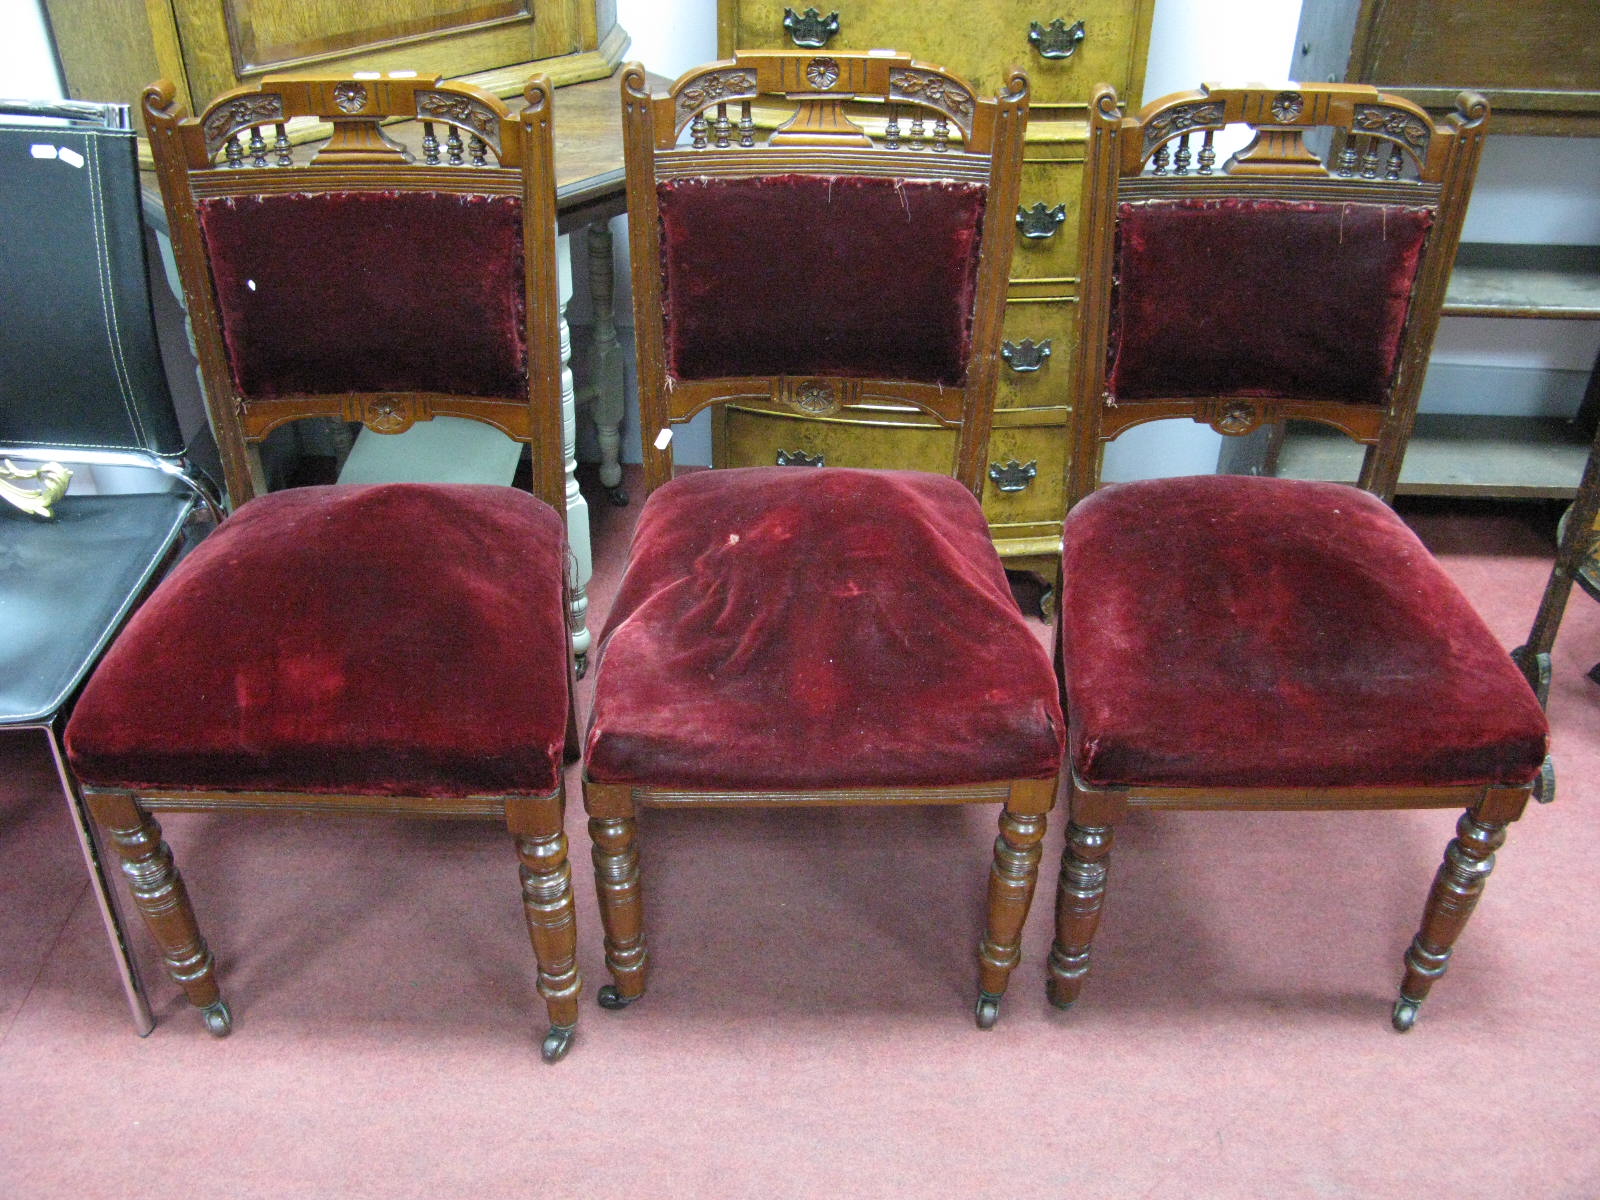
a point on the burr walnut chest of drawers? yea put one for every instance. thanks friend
(1065, 51)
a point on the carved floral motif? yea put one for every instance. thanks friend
(1394, 123)
(350, 97)
(247, 110)
(1180, 119)
(717, 85)
(1236, 416)
(460, 110)
(932, 89)
(1287, 106)
(816, 398)
(822, 73)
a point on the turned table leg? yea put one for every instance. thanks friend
(606, 386)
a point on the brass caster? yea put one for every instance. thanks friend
(618, 496)
(557, 1042)
(1405, 1014)
(614, 1000)
(1544, 791)
(988, 1010)
(580, 665)
(218, 1019)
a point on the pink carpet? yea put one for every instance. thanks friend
(808, 1030)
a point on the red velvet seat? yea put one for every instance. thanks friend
(769, 612)
(392, 639)
(1239, 642)
(1228, 631)
(812, 635)
(394, 649)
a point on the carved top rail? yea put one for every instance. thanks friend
(461, 125)
(1373, 137)
(924, 107)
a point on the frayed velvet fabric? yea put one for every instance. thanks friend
(1235, 297)
(784, 627)
(801, 275)
(1226, 631)
(439, 307)
(386, 639)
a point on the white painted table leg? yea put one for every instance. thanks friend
(606, 385)
(582, 560)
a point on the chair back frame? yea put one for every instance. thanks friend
(1383, 150)
(971, 139)
(239, 146)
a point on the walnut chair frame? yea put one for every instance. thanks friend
(1383, 150)
(927, 125)
(239, 146)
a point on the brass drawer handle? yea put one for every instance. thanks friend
(799, 458)
(810, 30)
(1056, 40)
(1040, 221)
(1025, 356)
(1013, 476)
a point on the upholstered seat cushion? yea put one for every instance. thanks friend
(1230, 631)
(392, 639)
(788, 627)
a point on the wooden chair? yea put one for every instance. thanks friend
(816, 635)
(1256, 643)
(373, 649)
(1577, 561)
(81, 391)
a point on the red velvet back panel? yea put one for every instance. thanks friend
(1294, 299)
(799, 275)
(370, 292)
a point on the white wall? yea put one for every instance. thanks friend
(26, 63)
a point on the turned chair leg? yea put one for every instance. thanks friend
(536, 826)
(616, 873)
(1468, 859)
(1012, 878)
(1080, 895)
(163, 901)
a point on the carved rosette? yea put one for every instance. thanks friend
(816, 397)
(1395, 124)
(716, 86)
(822, 73)
(1234, 417)
(1180, 119)
(224, 122)
(925, 87)
(387, 414)
(463, 111)
(350, 97)
(1287, 107)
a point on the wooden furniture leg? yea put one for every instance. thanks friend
(1468, 859)
(581, 554)
(163, 902)
(1012, 880)
(535, 823)
(613, 830)
(607, 384)
(1081, 890)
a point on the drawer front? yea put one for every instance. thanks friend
(981, 43)
(1050, 197)
(1038, 322)
(762, 439)
(1027, 477)
(1023, 501)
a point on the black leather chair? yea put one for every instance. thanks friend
(81, 386)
